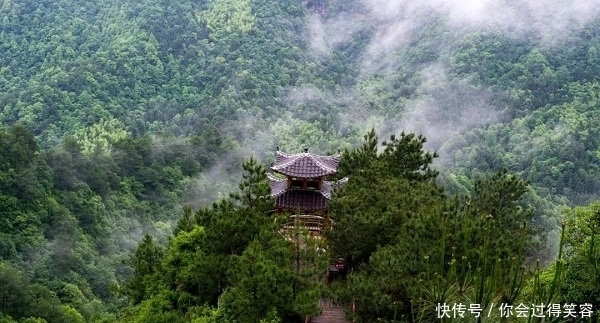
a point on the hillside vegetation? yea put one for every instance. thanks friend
(115, 115)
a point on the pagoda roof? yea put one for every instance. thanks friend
(306, 200)
(305, 165)
(278, 185)
(303, 200)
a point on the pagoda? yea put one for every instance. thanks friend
(300, 187)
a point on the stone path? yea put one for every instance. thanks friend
(332, 313)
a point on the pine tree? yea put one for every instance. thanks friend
(147, 266)
(409, 246)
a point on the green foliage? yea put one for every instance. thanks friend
(113, 109)
(560, 145)
(231, 255)
(156, 309)
(146, 264)
(99, 138)
(372, 206)
(270, 280)
(8, 319)
(33, 320)
(71, 314)
(226, 17)
(410, 247)
(261, 282)
(23, 299)
(61, 209)
(582, 274)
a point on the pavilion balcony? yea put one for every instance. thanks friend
(314, 224)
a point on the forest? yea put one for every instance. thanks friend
(136, 136)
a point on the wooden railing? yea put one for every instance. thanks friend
(312, 223)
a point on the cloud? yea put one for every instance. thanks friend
(548, 18)
(397, 23)
(441, 106)
(443, 109)
(324, 34)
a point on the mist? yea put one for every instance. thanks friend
(442, 106)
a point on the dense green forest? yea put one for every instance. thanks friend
(126, 125)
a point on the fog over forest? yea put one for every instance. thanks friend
(136, 136)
